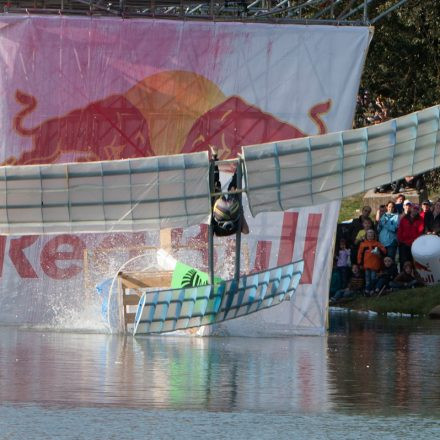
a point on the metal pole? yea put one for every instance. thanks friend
(240, 221)
(211, 228)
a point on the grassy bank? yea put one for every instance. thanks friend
(414, 302)
(351, 207)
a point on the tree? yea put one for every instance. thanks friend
(403, 63)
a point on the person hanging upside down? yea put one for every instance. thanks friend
(226, 209)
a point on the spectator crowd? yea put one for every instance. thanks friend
(373, 253)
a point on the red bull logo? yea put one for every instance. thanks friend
(167, 113)
(420, 266)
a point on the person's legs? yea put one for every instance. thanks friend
(343, 272)
(367, 281)
(338, 295)
(412, 283)
(348, 293)
(396, 285)
(404, 255)
(381, 282)
(373, 278)
(391, 251)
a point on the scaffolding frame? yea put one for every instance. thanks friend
(336, 12)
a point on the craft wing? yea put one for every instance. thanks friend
(318, 169)
(123, 195)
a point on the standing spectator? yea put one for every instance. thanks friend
(366, 225)
(370, 258)
(407, 206)
(357, 223)
(360, 237)
(380, 212)
(426, 207)
(386, 275)
(411, 226)
(387, 229)
(343, 262)
(432, 220)
(408, 278)
(400, 199)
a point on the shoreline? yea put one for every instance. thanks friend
(417, 302)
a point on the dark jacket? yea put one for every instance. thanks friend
(432, 224)
(406, 278)
(388, 273)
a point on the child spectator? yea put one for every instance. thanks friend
(387, 229)
(411, 226)
(354, 287)
(357, 223)
(367, 224)
(407, 279)
(400, 199)
(370, 259)
(387, 274)
(343, 261)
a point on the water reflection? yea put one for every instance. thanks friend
(385, 365)
(363, 366)
(216, 374)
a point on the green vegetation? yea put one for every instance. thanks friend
(350, 207)
(418, 301)
(403, 63)
(402, 69)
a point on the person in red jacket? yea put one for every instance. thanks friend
(370, 255)
(411, 226)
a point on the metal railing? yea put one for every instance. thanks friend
(338, 12)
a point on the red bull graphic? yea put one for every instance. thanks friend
(425, 272)
(420, 266)
(426, 253)
(167, 113)
(87, 89)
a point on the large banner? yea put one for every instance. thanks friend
(82, 89)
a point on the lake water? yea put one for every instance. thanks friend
(369, 378)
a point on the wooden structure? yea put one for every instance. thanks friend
(376, 199)
(131, 286)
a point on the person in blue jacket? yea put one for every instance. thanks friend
(387, 229)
